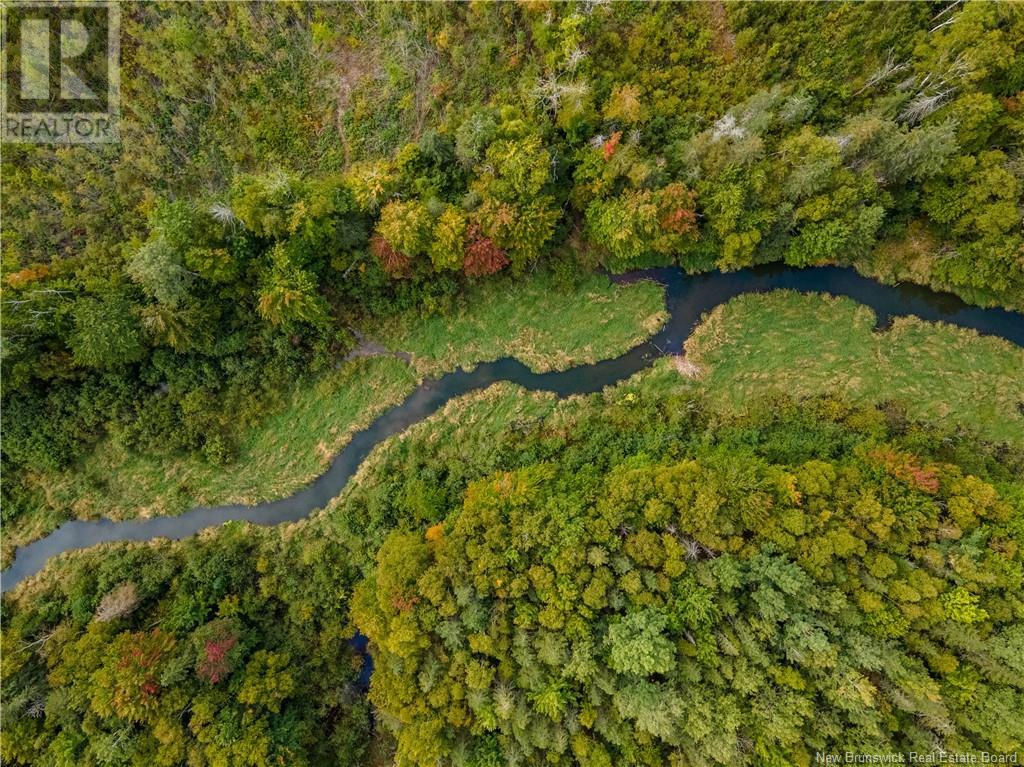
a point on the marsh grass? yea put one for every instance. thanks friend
(803, 345)
(535, 320)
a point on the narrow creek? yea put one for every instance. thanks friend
(687, 298)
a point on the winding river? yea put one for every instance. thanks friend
(687, 298)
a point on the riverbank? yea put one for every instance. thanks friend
(807, 345)
(527, 318)
(687, 299)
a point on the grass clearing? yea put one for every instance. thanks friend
(803, 345)
(531, 319)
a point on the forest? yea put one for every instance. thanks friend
(741, 569)
(628, 578)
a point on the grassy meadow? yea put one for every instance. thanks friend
(803, 345)
(535, 319)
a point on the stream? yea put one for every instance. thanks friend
(687, 298)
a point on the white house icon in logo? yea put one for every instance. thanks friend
(35, 59)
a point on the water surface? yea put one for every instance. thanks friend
(687, 298)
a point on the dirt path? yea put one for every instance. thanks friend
(367, 347)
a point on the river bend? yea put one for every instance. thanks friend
(687, 298)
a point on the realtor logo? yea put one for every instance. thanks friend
(61, 72)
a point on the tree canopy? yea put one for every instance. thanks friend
(226, 247)
(740, 603)
(630, 581)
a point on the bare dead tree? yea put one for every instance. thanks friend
(884, 72)
(118, 603)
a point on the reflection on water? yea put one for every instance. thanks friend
(687, 298)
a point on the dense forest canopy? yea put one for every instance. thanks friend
(624, 579)
(225, 652)
(718, 609)
(652, 575)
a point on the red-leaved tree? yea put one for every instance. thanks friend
(214, 662)
(482, 255)
(395, 263)
(677, 209)
(908, 468)
(609, 146)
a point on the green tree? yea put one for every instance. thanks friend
(447, 246)
(406, 226)
(288, 293)
(158, 268)
(637, 646)
(106, 334)
(265, 203)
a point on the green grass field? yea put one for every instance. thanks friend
(527, 318)
(533, 320)
(805, 344)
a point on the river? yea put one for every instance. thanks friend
(687, 298)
